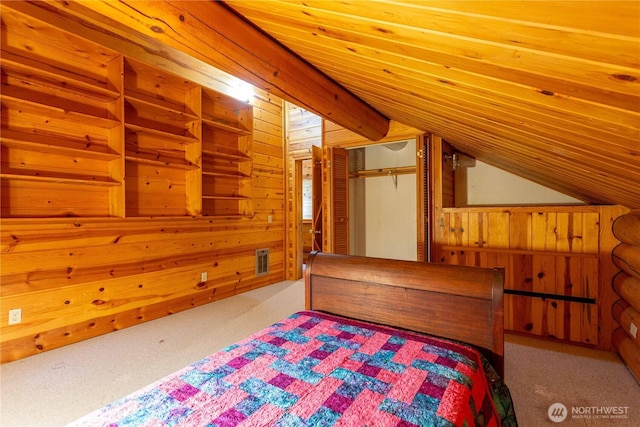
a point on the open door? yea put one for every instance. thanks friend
(338, 200)
(316, 199)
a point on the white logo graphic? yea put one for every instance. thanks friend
(557, 412)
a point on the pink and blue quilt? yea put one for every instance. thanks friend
(315, 369)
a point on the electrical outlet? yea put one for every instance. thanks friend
(270, 219)
(633, 329)
(204, 276)
(15, 316)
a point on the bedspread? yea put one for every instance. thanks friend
(314, 369)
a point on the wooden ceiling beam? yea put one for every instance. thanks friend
(212, 33)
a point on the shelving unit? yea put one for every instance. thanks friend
(61, 139)
(226, 156)
(89, 132)
(162, 120)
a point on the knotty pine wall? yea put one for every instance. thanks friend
(557, 262)
(77, 278)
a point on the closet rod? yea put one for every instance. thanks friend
(404, 170)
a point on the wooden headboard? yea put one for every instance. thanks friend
(455, 302)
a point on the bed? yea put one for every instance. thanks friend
(380, 343)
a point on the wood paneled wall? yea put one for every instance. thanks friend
(626, 283)
(77, 278)
(303, 130)
(557, 264)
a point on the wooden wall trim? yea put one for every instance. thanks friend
(436, 191)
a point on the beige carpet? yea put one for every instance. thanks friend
(56, 387)
(590, 384)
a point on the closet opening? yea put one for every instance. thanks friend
(382, 200)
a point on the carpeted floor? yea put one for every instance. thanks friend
(590, 384)
(56, 387)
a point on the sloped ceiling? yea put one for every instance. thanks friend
(546, 90)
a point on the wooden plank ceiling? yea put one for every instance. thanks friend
(547, 90)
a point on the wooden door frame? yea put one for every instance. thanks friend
(297, 247)
(423, 197)
(294, 241)
(317, 213)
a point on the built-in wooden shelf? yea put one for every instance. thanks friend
(226, 126)
(62, 117)
(222, 154)
(47, 112)
(143, 141)
(222, 197)
(181, 139)
(78, 179)
(28, 73)
(170, 162)
(58, 144)
(149, 115)
(227, 175)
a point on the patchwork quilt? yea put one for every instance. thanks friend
(314, 369)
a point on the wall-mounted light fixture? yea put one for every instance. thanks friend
(242, 91)
(396, 146)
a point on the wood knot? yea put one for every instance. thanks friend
(383, 30)
(98, 302)
(625, 77)
(157, 29)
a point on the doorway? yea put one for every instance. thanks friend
(306, 211)
(382, 200)
(312, 227)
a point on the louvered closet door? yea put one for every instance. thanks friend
(339, 190)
